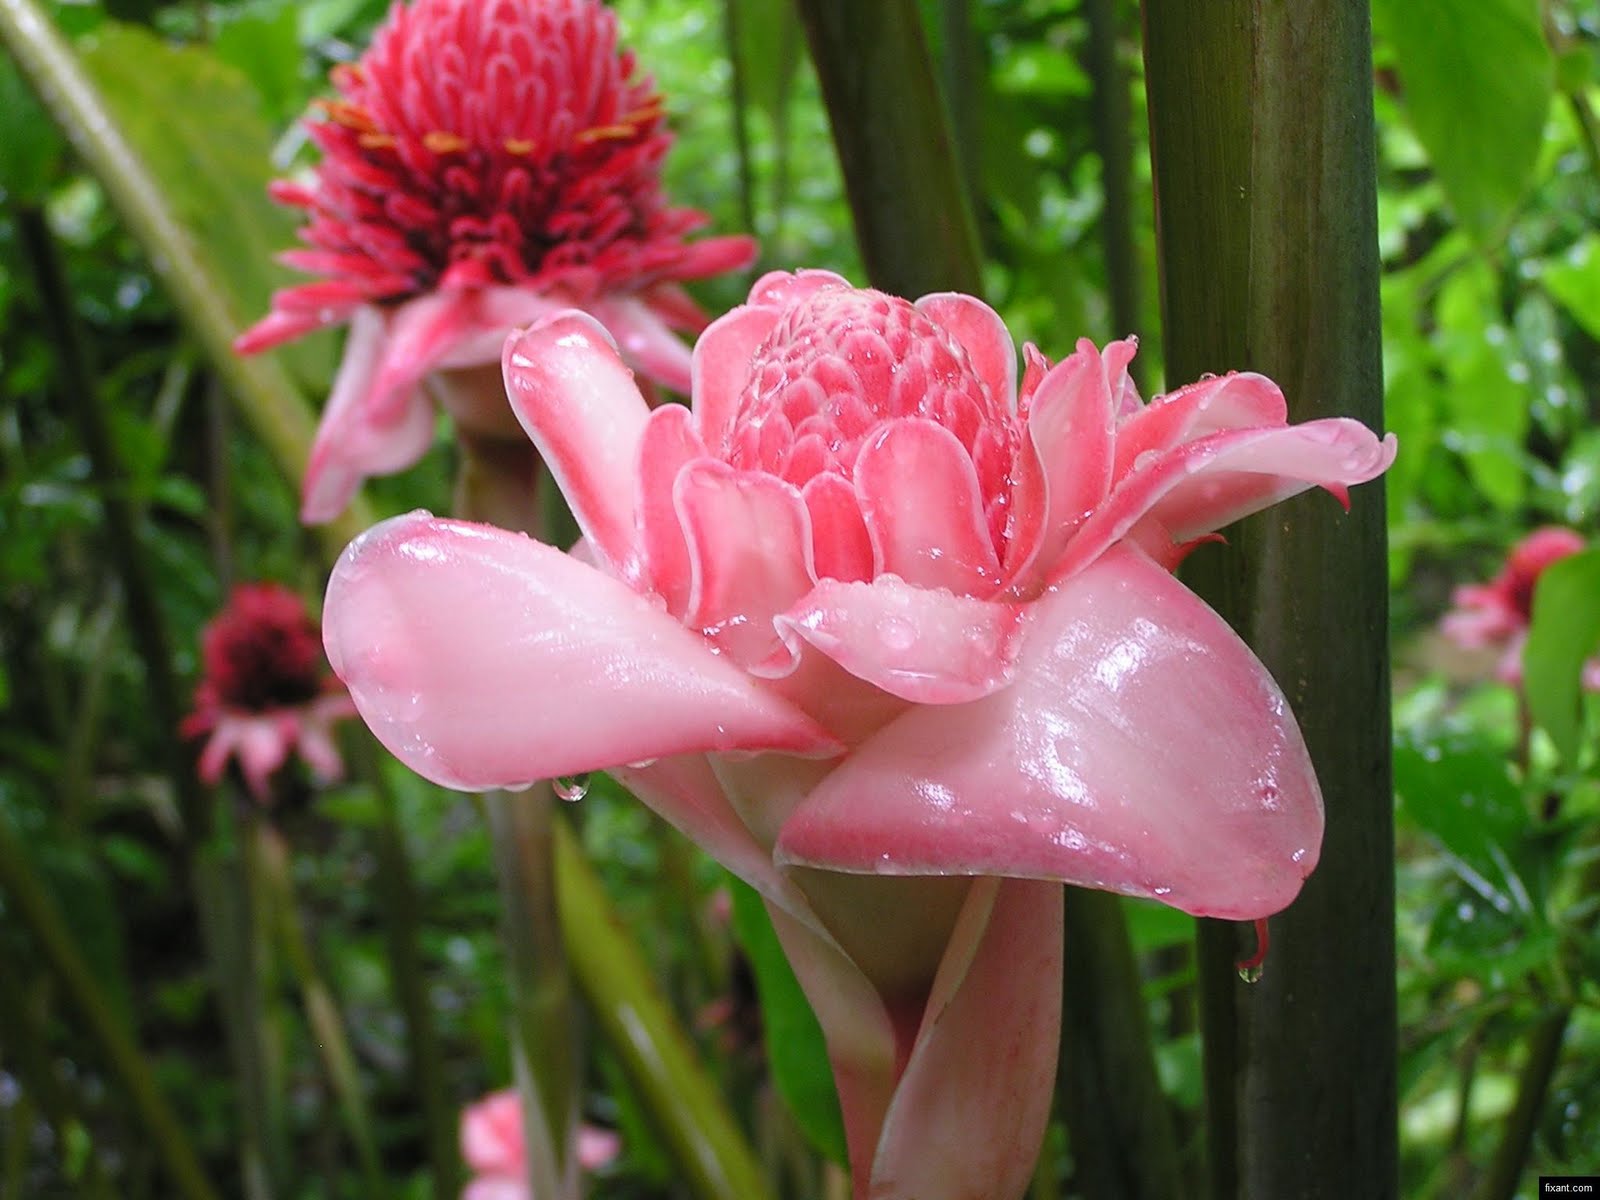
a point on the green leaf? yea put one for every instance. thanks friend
(768, 45)
(795, 1049)
(1461, 792)
(1478, 79)
(1564, 634)
(1574, 281)
(30, 147)
(195, 123)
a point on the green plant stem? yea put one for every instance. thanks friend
(912, 220)
(690, 1115)
(1112, 121)
(738, 108)
(1123, 1145)
(402, 919)
(1262, 143)
(1533, 1087)
(29, 903)
(26, 1040)
(226, 889)
(80, 390)
(497, 483)
(962, 71)
(322, 1012)
(270, 401)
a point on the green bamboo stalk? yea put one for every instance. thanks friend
(30, 903)
(402, 918)
(1510, 1159)
(270, 401)
(1112, 121)
(912, 220)
(700, 1133)
(1263, 146)
(322, 1012)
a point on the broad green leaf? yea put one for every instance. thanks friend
(265, 47)
(1461, 793)
(1564, 634)
(1488, 408)
(1477, 80)
(30, 147)
(795, 1049)
(1574, 280)
(194, 121)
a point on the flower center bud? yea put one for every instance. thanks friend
(263, 651)
(842, 362)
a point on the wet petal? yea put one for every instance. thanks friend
(1085, 770)
(840, 545)
(646, 341)
(983, 335)
(579, 404)
(1203, 485)
(358, 437)
(485, 659)
(929, 647)
(923, 509)
(1239, 400)
(749, 545)
(721, 368)
(668, 445)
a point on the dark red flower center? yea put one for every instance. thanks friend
(263, 651)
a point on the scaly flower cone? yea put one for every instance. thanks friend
(486, 163)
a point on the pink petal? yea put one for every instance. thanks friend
(923, 508)
(580, 406)
(782, 289)
(597, 1147)
(929, 647)
(485, 659)
(983, 335)
(357, 438)
(491, 1134)
(646, 341)
(979, 1082)
(1064, 466)
(1142, 749)
(841, 548)
(1201, 486)
(218, 750)
(496, 1187)
(297, 311)
(1124, 396)
(264, 744)
(749, 543)
(1241, 400)
(721, 368)
(668, 444)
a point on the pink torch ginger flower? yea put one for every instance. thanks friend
(495, 1151)
(1498, 613)
(895, 640)
(487, 162)
(266, 692)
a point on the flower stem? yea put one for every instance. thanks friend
(31, 905)
(402, 918)
(1533, 1086)
(1262, 141)
(1123, 1145)
(271, 854)
(686, 1108)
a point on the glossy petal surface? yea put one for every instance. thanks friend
(1141, 749)
(485, 659)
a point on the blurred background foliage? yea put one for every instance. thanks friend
(1489, 144)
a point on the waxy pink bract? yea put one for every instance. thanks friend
(897, 641)
(495, 1151)
(487, 163)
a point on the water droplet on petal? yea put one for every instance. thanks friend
(897, 633)
(1251, 973)
(571, 788)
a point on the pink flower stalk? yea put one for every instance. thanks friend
(1498, 613)
(266, 693)
(487, 163)
(495, 1150)
(895, 640)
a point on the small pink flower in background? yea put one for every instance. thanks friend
(487, 162)
(1497, 614)
(896, 639)
(266, 692)
(494, 1149)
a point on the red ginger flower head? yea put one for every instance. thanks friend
(266, 689)
(485, 163)
(1498, 613)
